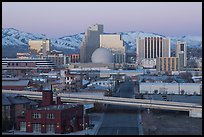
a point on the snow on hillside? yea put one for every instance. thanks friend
(12, 37)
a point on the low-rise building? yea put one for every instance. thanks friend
(25, 67)
(53, 117)
(12, 107)
(170, 88)
(167, 64)
(72, 82)
(14, 83)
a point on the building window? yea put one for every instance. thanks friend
(7, 107)
(158, 50)
(182, 47)
(50, 128)
(50, 116)
(37, 128)
(22, 126)
(36, 115)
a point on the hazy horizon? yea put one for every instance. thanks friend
(69, 18)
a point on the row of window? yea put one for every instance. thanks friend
(50, 128)
(49, 116)
(103, 83)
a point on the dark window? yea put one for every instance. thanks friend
(161, 47)
(148, 48)
(182, 47)
(158, 47)
(152, 48)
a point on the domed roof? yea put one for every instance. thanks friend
(102, 55)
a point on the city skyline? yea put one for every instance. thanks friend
(176, 19)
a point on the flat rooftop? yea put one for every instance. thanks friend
(59, 107)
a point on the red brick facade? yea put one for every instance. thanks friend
(64, 118)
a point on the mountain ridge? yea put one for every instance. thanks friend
(17, 39)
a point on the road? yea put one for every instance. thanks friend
(121, 120)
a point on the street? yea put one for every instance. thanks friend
(121, 120)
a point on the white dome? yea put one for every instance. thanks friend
(102, 55)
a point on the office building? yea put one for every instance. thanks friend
(90, 42)
(39, 47)
(167, 64)
(181, 53)
(26, 67)
(115, 44)
(58, 58)
(149, 48)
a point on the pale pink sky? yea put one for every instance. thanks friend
(66, 18)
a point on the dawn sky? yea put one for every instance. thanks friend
(67, 18)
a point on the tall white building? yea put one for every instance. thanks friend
(149, 48)
(115, 44)
(181, 53)
(90, 42)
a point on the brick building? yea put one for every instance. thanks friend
(13, 107)
(52, 118)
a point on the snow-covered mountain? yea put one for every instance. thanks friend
(17, 40)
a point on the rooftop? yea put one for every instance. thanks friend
(15, 82)
(58, 107)
(9, 100)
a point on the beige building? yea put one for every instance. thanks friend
(167, 64)
(39, 47)
(115, 44)
(181, 53)
(90, 42)
(149, 48)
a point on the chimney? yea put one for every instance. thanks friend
(59, 100)
(47, 98)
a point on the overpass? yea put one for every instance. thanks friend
(194, 110)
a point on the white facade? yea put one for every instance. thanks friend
(115, 44)
(149, 48)
(171, 88)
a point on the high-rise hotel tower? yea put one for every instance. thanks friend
(181, 53)
(90, 42)
(149, 48)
